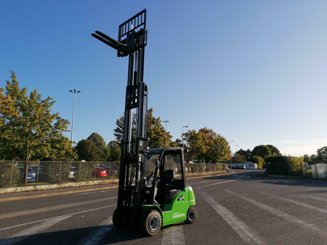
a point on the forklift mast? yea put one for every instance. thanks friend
(132, 39)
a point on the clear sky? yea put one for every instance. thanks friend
(254, 71)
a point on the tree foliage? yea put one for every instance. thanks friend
(94, 148)
(157, 135)
(262, 151)
(206, 145)
(114, 151)
(28, 129)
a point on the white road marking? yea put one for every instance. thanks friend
(20, 236)
(248, 235)
(52, 208)
(297, 203)
(201, 182)
(96, 236)
(173, 235)
(58, 217)
(285, 216)
(218, 183)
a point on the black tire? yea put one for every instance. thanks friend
(191, 215)
(152, 222)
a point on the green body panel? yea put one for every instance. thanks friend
(176, 211)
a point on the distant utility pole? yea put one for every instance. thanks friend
(166, 122)
(183, 134)
(74, 91)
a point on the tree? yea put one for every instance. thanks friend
(259, 161)
(322, 154)
(245, 155)
(157, 135)
(93, 148)
(206, 145)
(114, 150)
(28, 129)
(273, 150)
(238, 158)
(262, 151)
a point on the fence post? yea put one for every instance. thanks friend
(11, 173)
(60, 172)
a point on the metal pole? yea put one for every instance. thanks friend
(166, 122)
(183, 134)
(74, 91)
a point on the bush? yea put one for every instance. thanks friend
(281, 165)
(295, 165)
(9, 174)
(259, 161)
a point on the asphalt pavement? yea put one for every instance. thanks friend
(243, 207)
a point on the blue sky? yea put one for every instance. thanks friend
(253, 71)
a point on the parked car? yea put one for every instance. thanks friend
(101, 171)
(72, 175)
(238, 166)
(31, 174)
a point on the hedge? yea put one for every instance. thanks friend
(282, 165)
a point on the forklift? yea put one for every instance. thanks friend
(152, 193)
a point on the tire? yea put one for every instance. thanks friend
(191, 215)
(152, 222)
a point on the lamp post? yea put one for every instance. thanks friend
(166, 122)
(74, 91)
(230, 164)
(183, 134)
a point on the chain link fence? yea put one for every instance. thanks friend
(26, 173)
(22, 173)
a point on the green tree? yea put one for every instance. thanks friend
(28, 129)
(322, 154)
(273, 150)
(246, 155)
(259, 161)
(92, 149)
(238, 158)
(262, 151)
(114, 151)
(206, 145)
(157, 135)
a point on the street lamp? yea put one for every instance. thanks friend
(183, 134)
(74, 91)
(166, 122)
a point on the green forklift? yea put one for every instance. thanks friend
(152, 191)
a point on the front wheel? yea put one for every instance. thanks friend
(191, 215)
(152, 222)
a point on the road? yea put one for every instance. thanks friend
(243, 207)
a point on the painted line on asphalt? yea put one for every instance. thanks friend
(285, 216)
(19, 198)
(218, 183)
(297, 203)
(22, 235)
(316, 198)
(98, 234)
(53, 208)
(248, 235)
(173, 235)
(57, 217)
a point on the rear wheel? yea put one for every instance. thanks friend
(191, 215)
(152, 222)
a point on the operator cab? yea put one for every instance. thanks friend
(163, 174)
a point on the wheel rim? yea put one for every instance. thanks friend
(154, 223)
